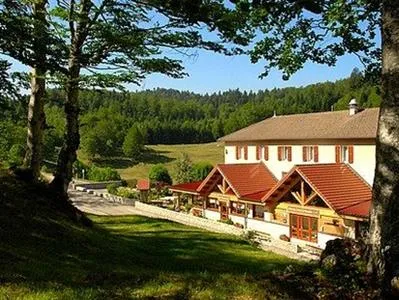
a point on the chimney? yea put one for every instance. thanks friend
(353, 107)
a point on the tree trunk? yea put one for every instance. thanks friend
(36, 122)
(67, 155)
(36, 116)
(384, 216)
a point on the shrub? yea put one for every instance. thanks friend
(16, 155)
(201, 170)
(159, 173)
(79, 169)
(228, 222)
(126, 192)
(112, 188)
(102, 174)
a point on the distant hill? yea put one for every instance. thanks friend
(167, 116)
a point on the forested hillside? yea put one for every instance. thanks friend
(173, 117)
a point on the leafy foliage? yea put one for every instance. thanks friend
(16, 155)
(102, 174)
(293, 32)
(201, 170)
(133, 144)
(12, 139)
(159, 173)
(184, 169)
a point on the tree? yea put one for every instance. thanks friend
(201, 170)
(184, 169)
(159, 173)
(121, 36)
(134, 142)
(26, 37)
(297, 31)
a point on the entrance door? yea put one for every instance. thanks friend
(224, 211)
(303, 227)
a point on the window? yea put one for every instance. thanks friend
(258, 212)
(238, 152)
(242, 152)
(344, 153)
(262, 149)
(310, 153)
(237, 208)
(212, 204)
(284, 153)
(304, 228)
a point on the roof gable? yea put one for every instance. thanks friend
(338, 185)
(243, 179)
(311, 126)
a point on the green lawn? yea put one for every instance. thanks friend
(132, 257)
(164, 154)
(44, 255)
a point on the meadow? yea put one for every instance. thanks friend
(162, 154)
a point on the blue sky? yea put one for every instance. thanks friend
(210, 72)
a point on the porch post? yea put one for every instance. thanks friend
(177, 203)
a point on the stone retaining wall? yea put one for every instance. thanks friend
(187, 219)
(95, 185)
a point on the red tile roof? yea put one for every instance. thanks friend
(143, 185)
(247, 179)
(186, 187)
(338, 185)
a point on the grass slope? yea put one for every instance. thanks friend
(164, 154)
(44, 255)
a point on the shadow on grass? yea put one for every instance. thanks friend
(134, 255)
(43, 255)
(149, 156)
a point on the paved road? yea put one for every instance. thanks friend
(96, 205)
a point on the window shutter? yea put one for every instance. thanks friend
(238, 152)
(304, 150)
(337, 154)
(289, 153)
(258, 152)
(279, 150)
(246, 152)
(350, 150)
(316, 153)
(266, 152)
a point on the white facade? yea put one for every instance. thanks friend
(363, 157)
